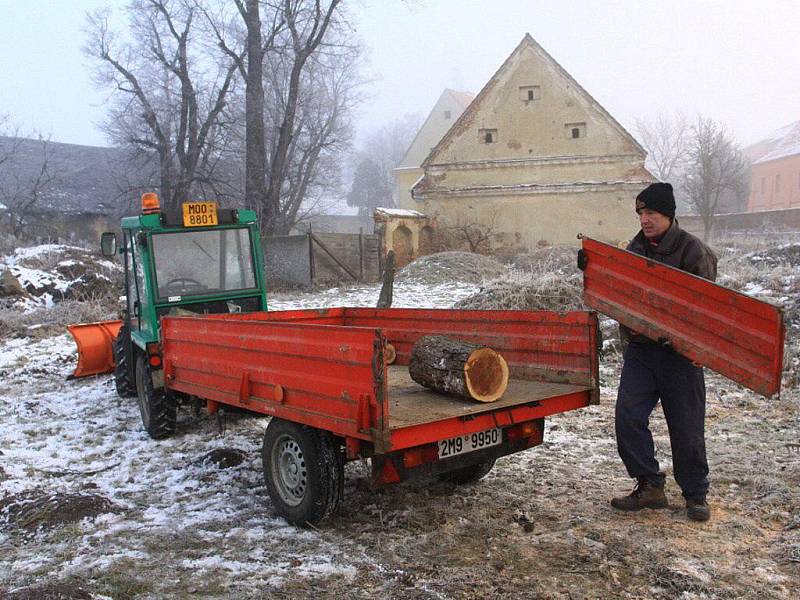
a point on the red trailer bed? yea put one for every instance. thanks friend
(326, 370)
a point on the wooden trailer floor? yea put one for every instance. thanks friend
(412, 404)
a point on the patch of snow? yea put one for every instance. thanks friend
(42, 250)
(399, 212)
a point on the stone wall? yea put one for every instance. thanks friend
(753, 222)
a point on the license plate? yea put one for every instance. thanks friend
(199, 214)
(472, 441)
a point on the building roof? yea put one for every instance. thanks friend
(435, 126)
(399, 213)
(527, 42)
(779, 144)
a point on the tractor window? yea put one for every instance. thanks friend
(137, 295)
(192, 263)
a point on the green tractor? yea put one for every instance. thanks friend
(200, 260)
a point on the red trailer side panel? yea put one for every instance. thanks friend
(541, 345)
(326, 376)
(731, 333)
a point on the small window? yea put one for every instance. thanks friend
(529, 93)
(447, 115)
(777, 183)
(575, 131)
(763, 185)
(487, 136)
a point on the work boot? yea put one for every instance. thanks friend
(646, 494)
(697, 508)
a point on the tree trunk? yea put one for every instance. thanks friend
(458, 368)
(255, 147)
(387, 287)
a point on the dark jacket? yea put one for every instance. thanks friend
(678, 249)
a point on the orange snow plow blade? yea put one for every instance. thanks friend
(95, 347)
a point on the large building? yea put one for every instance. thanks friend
(535, 160)
(776, 170)
(447, 109)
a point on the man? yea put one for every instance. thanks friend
(653, 372)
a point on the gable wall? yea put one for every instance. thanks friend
(536, 184)
(535, 128)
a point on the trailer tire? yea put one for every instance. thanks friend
(122, 377)
(468, 474)
(303, 470)
(158, 408)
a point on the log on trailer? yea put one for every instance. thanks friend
(458, 368)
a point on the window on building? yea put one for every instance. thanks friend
(447, 115)
(575, 131)
(778, 183)
(488, 136)
(529, 93)
(763, 185)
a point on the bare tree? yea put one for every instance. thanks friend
(301, 83)
(716, 167)
(307, 23)
(322, 136)
(666, 139)
(259, 38)
(22, 186)
(477, 235)
(169, 93)
(385, 148)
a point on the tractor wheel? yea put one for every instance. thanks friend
(303, 470)
(122, 377)
(468, 474)
(159, 409)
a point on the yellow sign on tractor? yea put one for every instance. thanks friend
(199, 214)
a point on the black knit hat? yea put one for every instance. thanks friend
(658, 197)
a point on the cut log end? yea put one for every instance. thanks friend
(389, 354)
(486, 374)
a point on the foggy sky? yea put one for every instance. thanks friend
(736, 61)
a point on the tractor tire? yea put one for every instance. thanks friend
(468, 474)
(158, 408)
(303, 470)
(122, 379)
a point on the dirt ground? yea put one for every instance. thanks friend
(165, 520)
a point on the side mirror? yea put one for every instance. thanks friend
(108, 244)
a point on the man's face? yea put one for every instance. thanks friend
(654, 224)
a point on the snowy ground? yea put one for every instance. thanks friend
(159, 521)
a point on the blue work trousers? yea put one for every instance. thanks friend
(651, 373)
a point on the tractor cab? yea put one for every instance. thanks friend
(202, 259)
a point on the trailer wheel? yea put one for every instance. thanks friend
(303, 470)
(469, 474)
(159, 409)
(122, 377)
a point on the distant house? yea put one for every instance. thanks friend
(447, 109)
(775, 178)
(535, 160)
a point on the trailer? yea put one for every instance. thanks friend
(324, 378)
